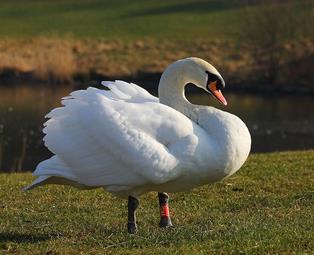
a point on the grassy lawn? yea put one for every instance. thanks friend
(266, 208)
(120, 19)
(127, 20)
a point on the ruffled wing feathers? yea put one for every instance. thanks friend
(96, 135)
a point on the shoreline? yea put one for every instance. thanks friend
(148, 81)
(78, 62)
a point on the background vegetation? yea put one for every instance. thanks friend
(254, 42)
(123, 19)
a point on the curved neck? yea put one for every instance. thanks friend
(171, 90)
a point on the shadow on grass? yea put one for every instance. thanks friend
(25, 238)
(199, 6)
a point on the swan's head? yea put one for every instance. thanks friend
(204, 76)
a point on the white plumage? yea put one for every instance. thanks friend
(130, 142)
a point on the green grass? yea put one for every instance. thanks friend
(118, 19)
(265, 208)
(127, 20)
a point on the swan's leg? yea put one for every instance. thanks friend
(165, 220)
(132, 206)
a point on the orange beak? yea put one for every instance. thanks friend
(217, 93)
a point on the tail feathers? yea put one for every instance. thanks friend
(51, 171)
(53, 167)
(54, 171)
(41, 180)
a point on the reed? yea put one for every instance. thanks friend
(56, 60)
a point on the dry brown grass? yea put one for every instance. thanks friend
(60, 60)
(48, 59)
(54, 60)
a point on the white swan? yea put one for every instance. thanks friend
(130, 142)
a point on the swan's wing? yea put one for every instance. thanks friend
(119, 137)
(129, 92)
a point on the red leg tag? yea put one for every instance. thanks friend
(164, 210)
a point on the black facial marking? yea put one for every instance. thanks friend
(212, 78)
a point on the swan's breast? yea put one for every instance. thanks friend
(229, 137)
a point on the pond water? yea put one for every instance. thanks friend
(276, 122)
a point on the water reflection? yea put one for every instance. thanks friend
(22, 111)
(276, 122)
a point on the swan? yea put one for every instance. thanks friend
(129, 142)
